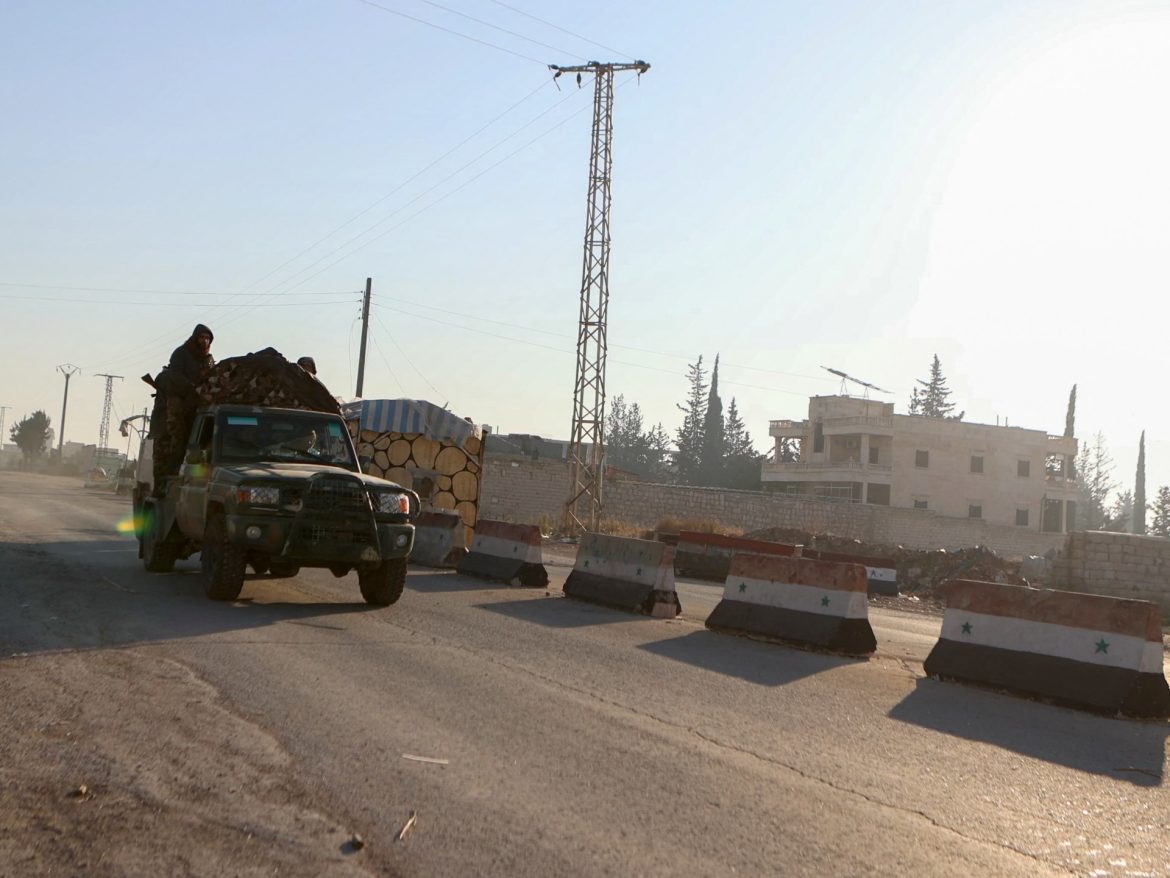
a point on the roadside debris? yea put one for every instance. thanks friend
(356, 842)
(82, 792)
(428, 759)
(407, 827)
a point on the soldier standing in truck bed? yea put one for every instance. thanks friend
(176, 402)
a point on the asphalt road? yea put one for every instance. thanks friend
(573, 740)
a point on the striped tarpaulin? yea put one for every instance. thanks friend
(411, 416)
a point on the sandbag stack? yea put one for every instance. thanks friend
(265, 378)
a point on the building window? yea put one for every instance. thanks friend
(879, 495)
(818, 437)
(1023, 468)
(975, 510)
(873, 454)
(921, 504)
(1021, 518)
(922, 459)
(977, 463)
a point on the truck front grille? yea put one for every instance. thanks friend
(320, 534)
(336, 495)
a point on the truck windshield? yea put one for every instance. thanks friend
(283, 437)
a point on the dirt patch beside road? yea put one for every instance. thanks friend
(116, 762)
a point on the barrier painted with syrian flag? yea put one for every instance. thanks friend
(820, 604)
(1081, 650)
(438, 539)
(506, 552)
(708, 556)
(881, 573)
(626, 574)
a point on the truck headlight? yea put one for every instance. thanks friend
(259, 496)
(392, 503)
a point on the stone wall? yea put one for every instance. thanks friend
(1119, 565)
(519, 489)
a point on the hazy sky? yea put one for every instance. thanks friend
(796, 185)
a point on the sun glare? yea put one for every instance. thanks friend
(1055, 219)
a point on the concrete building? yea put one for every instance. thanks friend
(858, 450)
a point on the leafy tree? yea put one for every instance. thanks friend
(689, 437)
(1095, 470)
(1160, 525)
(711, 457)
(629, 446)
(1119, 515)
(934, 400)
(1139, 489)
(741, 467)
(32, 434)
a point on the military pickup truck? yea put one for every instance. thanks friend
(277, 490)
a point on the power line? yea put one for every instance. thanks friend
(449, 30)
(431, 189)
(563, 30)
(174, 304)
(156, 292)
(378, 348)
(501, 29)
(406, 357)
(543, 85)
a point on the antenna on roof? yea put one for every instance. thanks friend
(845, 378)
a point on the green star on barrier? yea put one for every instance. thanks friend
(1103, 646)
(824, 602)
(639, 573)
(586, 562)
(743, 586)
(966, 627)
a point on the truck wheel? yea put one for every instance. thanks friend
(283, 569)
(223, 563)
(158, 556)
(383, 585)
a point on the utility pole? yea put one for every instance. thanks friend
(3, 409)
(104, 433)
(587, 444)
(68, 370)
(365, 331)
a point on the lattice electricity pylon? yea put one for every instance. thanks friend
(104, 433)
(587, 443)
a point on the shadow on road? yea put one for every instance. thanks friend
(1129, 750)
(94, 594)
(428, 579)
(764, 664)
(559, 612)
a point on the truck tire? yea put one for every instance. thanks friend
(158, 555)
(223, 563)
(383, 585)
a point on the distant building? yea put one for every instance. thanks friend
(858, 450)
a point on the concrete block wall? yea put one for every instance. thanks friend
(1118, 565)
(519, 489)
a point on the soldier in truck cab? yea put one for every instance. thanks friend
(176, 401)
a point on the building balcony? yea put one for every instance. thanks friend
(852, 426)
(816, 470)
(1066, 445)
(788, 429)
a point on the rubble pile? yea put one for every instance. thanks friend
(265, 378)
(920, 573)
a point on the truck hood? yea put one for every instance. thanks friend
(295, 472)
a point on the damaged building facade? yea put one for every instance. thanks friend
(858, 450)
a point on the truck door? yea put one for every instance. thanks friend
(194, 476)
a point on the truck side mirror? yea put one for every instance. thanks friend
(364, 461)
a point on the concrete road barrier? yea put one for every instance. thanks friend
(506, 552)
(627, 574)
(708, 556)
(820, 604)
(438, 539)
(1081, 650)
(881, 573)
